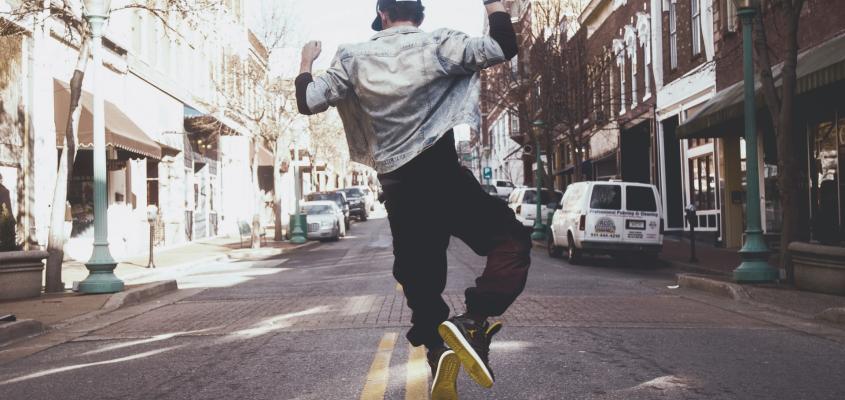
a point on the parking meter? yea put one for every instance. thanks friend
(692, 219)
(152, 216)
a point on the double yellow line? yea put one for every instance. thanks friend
(416, 372)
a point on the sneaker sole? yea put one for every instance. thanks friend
(445, 386)
(469, 358)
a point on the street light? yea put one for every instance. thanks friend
(101, 278)
(298, 221)
(539, 228)
(755, 254)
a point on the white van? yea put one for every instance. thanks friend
(523, 202)
(503, 188)
(612, 218)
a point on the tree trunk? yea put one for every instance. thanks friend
(792, 176)
(56, 238)
(256, 217)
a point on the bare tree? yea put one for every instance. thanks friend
(69, 15)
(328, 141)
(780, 102)
(548, 83)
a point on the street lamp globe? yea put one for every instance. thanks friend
(97, 8)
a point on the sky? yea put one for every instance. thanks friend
(344, 21)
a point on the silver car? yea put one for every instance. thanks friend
(324, 220)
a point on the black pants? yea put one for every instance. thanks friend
(431, 199)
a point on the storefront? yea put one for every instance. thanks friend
(128, 150)
(820, 120)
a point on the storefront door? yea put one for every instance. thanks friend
(827, 148)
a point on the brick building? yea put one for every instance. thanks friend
(614, 139)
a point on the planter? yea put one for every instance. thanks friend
(20, 274)
(818, 268)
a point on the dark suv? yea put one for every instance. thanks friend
(357, 203)
(337, 197)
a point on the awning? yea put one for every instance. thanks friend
(817, 67)
(568, 170)
(121, 132)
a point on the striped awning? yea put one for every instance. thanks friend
(121, 132)
(819, 66)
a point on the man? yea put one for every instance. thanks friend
(399, 96)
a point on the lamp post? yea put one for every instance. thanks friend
(298, 220)
(755, 254)
(539, 228)
(101, 278)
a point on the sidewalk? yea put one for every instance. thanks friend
(711, 259)
(51, 310)
(716, 266)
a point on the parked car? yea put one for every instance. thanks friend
(611, 218)
(503, 188)
(491, 190)
(369, 197)
(324, 220)
(357, 203)
(523, 202)
(339, 198)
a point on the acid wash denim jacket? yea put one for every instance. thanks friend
(400, 92)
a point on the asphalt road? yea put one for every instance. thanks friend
(328, 322)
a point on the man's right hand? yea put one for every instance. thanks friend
(311, 51)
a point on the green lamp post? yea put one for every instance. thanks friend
(298, 219)
(755, 254)
(101, 277)
(539, 228)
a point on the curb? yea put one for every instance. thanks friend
(139, 295)
(717, 287)
(11, 332)
(835, 315)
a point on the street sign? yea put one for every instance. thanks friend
(488, 173)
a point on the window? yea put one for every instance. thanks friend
(606, 197)
(702, 175)
(640, 198)
(693, 143)
(730, 16)
(673, 35)
(514, 124)
(696, 27)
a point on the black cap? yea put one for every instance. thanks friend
(382, 4)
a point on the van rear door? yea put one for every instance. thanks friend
(604, 222)
(642, 215)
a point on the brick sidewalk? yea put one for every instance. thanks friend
(134, 268)
(711, 259)
(52, 309)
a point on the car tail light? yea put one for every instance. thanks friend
(518, 209)
(661, 226)
(582, 225)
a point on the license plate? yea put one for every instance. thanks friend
(636, 225)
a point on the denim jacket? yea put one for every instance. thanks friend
(398, 93)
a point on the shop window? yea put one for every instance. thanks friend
(826, 202)
(702, 179)
(693, 143)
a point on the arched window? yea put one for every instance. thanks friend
(644, 36)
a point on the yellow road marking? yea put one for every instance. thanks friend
(379, 373)
(416, 375)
